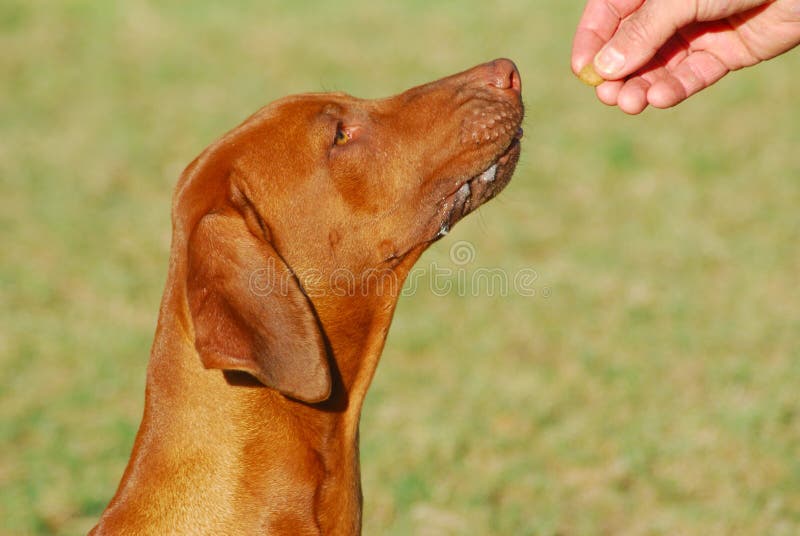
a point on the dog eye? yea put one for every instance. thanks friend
(342, 136)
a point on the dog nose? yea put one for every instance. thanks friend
(503, 74)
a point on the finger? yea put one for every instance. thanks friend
(585, 45)
(641, 35)
(769, 30)
(694, 73)
(598, 23)
(608, 91)
(632, 98)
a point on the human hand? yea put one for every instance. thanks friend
(660, 52)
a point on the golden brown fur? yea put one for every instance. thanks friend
(292, 235)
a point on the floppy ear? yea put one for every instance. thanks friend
(249, 312)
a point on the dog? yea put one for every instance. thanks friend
(292, 235)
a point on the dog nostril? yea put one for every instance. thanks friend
(504, 75)
(515, 81)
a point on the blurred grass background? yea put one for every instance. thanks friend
(652, 385)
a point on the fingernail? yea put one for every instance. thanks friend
(609, 61)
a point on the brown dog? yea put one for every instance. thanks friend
(292, 235)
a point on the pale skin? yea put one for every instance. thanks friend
(661, 52)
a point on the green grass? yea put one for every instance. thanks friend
(650, 386)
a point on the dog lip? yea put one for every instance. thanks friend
(488, 175)
(479, 189)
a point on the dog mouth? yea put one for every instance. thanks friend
(482, 187)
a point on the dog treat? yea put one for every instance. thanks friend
(589, 76)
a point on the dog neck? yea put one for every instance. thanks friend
(217, 449)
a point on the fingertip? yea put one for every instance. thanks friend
(633, 107)
(632, 97)
(607, 92)
(577, 64)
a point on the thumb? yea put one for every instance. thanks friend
(641, 35)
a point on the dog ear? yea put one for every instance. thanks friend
(249, 311)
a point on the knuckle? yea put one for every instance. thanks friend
(637, 30)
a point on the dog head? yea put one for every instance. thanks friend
(284, 215)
